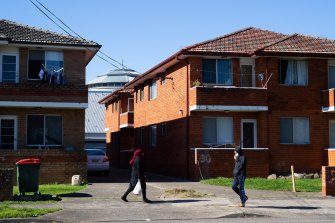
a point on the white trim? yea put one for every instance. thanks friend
(126, 113)
(13, 117)
(126, 125)
(106, 129)
(230, 148)
(254, 121)
(16, 65)
(26, 104)
(328, 109)
(227, 108)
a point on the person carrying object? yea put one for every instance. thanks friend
(137, 173)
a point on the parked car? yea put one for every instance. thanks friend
(97, 161)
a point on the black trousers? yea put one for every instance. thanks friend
(132, 186)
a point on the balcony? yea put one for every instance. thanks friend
(228, 98)
(43, 95)
(328, 101)
(127, 120)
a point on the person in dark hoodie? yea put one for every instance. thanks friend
(137, 173)
(240, 174)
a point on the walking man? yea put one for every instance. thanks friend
(240, 175)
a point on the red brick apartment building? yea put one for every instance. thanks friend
(43, 118)
(271, 93)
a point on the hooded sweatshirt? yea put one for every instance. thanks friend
(240, 163)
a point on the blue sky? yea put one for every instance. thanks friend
(142, 33)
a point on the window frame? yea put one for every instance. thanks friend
(153, 90)
(16, 66)
(45, 62)
(218, 130)
(331, 63)
(282, 81)
(44, 128)
(293, 131)
(141, 93)
(153, 136)
(331, 145)
(217, 72)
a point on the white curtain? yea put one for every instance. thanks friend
(296, 72)
(301, 130)
(225, 130)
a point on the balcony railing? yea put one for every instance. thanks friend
(328, 100)
(228, 98)
(127, 120)
(43, 92)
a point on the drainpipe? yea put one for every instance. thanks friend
(187, 118)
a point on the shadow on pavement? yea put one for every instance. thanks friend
(177, 201)
(287, 207)
(76, 194)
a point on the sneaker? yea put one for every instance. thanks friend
(246, 198)
(241, 205)
(124, 199)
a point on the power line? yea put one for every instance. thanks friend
(76, 32)
(41, 10)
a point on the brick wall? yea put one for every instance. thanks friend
(210, 163)
(328, 180)
(331, 157)
(57, 165)
(73, 124)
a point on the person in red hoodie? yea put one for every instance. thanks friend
(137, 173)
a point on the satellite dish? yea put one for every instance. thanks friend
(260, 77)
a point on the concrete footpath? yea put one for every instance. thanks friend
(101, 202)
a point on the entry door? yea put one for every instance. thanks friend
(8, 132)
(249, 133)
(247, 72)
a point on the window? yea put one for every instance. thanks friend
(217, 71)
(164, 129)
(153, 135)
(293, 72)
(217, 130)
(8, 132)
(332, 133)
(116, 106)
(331, 75)
(141, 93)
(294, 130)
(8, 69)
(163, 78)
(153, 90)
(46, 130)
(51, 60)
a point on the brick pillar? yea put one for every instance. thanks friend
(6, 184)
(328, 180)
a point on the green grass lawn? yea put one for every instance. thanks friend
(8, 210)
(302, 185)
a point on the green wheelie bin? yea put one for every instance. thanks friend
(27, 175)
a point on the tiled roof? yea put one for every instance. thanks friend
(302, 44)
(245, 41)
(251, 41)
(18, 33)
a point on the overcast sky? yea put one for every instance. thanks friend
(142, 33)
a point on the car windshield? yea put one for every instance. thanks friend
(95, 152)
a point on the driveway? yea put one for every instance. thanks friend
(101, 202)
